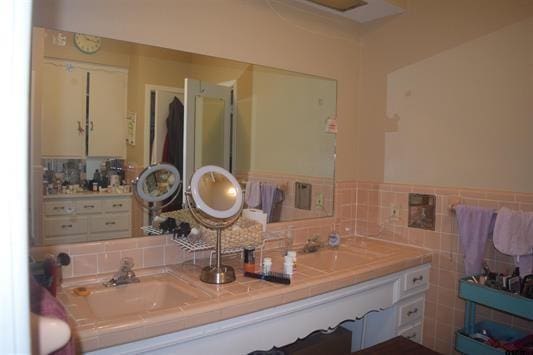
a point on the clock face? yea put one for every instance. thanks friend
(87, 43)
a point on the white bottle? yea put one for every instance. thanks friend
(267, 265)
(292, 254)
(288, 265)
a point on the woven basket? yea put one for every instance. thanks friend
(244, 232)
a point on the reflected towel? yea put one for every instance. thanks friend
(271, 196)
(513, 235)
(253, 194)
(475, 226)
(44, 304)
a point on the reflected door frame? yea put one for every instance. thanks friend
(148, 88)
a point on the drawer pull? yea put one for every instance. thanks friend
(412, 336)
(66, 226)
(88, 206)
(411, 312)
(117, 205)
(59, 208)
(419, 278)
(110, 223)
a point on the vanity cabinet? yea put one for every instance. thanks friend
(83, 110)
(382, 309)
(75, 218)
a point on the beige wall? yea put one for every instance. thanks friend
(429, 64)
(115, 53)
(272, 34)
(465, 115)
(151, 66)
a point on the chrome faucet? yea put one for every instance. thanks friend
(125, 274)
(313, 244)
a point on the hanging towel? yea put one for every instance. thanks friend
(275, 211)
(270, 197)
(513, 235)
(475, 226)
(253, 194)
(44, 304)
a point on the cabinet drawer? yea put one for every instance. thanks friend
(411, 311)
(65, 226)
(110, 223)
(116, 205)
(413, 333)
(59, 208)
(415, 279)
(88, 206)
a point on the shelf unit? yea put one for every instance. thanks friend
(475, 294)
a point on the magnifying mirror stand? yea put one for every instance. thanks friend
(218, 273)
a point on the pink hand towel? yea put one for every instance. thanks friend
(44, 304)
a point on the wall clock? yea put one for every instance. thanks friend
(87, 43)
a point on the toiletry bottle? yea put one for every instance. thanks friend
(288, 266)
(292, 254)
(267, 265)
(249, 259)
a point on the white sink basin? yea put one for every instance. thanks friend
(332, 260)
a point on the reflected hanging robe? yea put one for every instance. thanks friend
(173, 147)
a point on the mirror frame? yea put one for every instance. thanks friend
(200, 203)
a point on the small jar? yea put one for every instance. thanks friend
(267, 265)
(249, 259)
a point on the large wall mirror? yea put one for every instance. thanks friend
(103, 110)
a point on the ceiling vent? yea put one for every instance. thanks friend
(339, 5)
(358, 10)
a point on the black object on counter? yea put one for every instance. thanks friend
(271, 276)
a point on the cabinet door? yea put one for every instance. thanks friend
(107, 113)
(63, 110)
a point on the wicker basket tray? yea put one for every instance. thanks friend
(244, 232)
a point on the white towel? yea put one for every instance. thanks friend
(513, 235)
(253, 194)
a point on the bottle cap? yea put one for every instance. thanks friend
(291, 253)
(267, 260)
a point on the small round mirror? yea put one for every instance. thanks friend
(158, 183)
(216, 192)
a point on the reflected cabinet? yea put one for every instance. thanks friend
(83, 110)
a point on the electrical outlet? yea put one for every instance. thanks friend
(394, 212)
(319, 200)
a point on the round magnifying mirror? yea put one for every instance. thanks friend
(218, 203)
(158, 183)
(216, 192)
